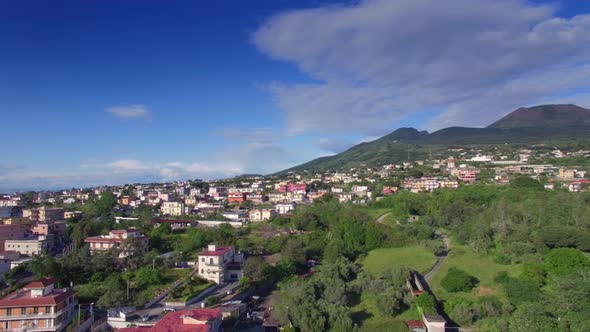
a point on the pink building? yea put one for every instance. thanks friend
(293, 187)
(116, 239)
(467, 175)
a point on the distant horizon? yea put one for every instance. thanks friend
(122, 92)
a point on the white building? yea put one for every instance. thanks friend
(172, 208)
(284, 208)
(220, 264)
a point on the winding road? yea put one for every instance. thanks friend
(439, 261)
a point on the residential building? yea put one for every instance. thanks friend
(284, 208)
(235, 214)
(220, 264)
(177, 223)
(189, 320)
(172, 208)
(262, 214)
(11, 232)
(10, 201)
(236, 197)
(32, 245)
(467, 175)
(57, 228)
(566, 174)
(291, 187)
(116, 239)
(38, 306)
(50, 214)
(6, 259)
(167, 197)
(72, 214)
(126, 200)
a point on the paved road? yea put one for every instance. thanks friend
(441, 258)
(381, 219)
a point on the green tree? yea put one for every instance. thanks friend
(532, 317)
(565, 260)
(457, 280)
(147, 276)
(256, 269)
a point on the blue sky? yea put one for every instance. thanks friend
(111, 92)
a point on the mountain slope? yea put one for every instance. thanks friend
(525, 125)
(545, 116)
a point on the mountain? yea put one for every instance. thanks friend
(545, 116)
(524, 125)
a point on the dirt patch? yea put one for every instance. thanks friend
(484, 291)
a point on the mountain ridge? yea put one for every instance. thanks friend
(524, 125)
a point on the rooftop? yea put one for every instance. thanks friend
(219, 251)
(22, 297)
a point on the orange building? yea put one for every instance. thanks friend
(38, 306)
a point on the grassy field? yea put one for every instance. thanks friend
(481, 267)
(416, 257)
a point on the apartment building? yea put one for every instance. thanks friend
(172, 208)
(262, 214)
(32, 245)
(11, 232)
(38, 306)
(284, 208)
(220, 264)
(116, 239)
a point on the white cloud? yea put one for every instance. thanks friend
(378, 61)
(131, 111)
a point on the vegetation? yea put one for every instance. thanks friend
(457, 280)
(416, 257)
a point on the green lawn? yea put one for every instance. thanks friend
(416, 257)
(480, 266)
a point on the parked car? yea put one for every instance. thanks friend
(145, 317)
(169, 309)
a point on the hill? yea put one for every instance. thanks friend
(545, 116)
(524, 125)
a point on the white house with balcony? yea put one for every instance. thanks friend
(220, 264)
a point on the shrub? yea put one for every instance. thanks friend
(457, 280)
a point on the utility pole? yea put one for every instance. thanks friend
(78, 314)
(127, 289)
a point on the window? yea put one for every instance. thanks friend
(202, 271)
(203, 259)
(23, 311)
(211, 261)
(8, 311)
(36, 310)
(47, 310)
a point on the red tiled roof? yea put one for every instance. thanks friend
(23, 298)
(173, 322)
(414, 324)
(135, 329)
(219, 251)
(40, 283)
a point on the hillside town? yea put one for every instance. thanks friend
(207, 287)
